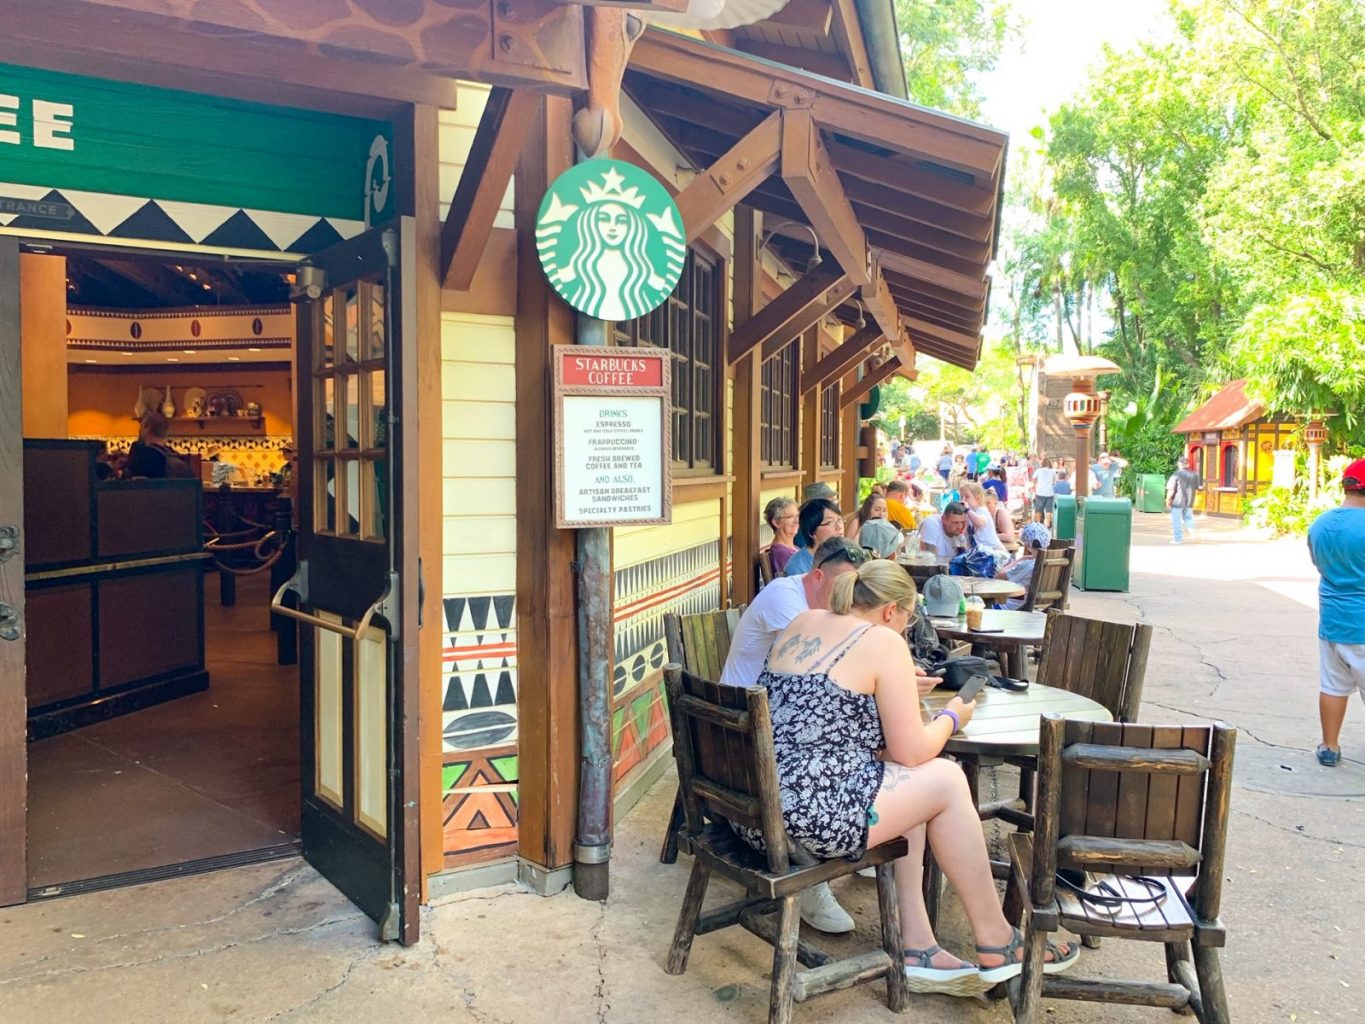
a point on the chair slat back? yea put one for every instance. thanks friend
(1135, 799)
(727, 769)
(1105, 661)
(765, 567)
(1050, 585)
(700, 642)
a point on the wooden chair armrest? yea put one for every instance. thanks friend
(1045, 919)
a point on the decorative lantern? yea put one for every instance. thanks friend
(1315, 433)
(1082, 407)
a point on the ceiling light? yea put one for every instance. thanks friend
(90, 360)
(190, 351)
(172, 359)
(861, 322)
(234, 359)
(253, 350)
(194, 276)
(208, 287)
(126, 353)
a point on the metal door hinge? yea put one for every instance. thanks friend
(9, 623)
(9, 542)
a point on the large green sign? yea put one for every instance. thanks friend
(610, 240)
(190, 154)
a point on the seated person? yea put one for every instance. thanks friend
(1000, 515)
(982, 524)
(858, 766)
(1063, 483)
(945, 535)
(881, 538)
(150, 455)
(820, 519)
(1034, 537)
(898, 504)
(873, 507)
(781, 517)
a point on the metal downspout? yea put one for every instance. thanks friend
(883, 42)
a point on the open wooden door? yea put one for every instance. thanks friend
(13, 702)
(356, 589)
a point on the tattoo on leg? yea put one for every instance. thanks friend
(895, 775)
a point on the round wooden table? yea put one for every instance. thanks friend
(1006, 723)
(1018, 630)
(993, 592)
(924, 567)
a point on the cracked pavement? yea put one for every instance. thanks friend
(1235, 639)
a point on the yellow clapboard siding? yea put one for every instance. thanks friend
(464, 497)
(480, 574)
(479, 459)
(478, 535)
(466, 338)
(488, 420)
(476, 381)
(455, 137)
(694, 523)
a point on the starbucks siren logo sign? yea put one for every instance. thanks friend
(610, 239)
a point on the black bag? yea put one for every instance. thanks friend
(956, 671)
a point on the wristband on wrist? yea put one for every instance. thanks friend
(951, 714)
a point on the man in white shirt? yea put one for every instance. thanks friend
(781, 601)
(946, 534)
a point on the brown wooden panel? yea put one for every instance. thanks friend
(1102, 809)
(148, 517)
(1130, 821)
(1189, 809)
(150, 624)
(57, 481)
(60, 643)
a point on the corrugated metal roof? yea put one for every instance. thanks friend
(1227, 410)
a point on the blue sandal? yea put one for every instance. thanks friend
(1013, 967)
(1327, 757)
(923, 977)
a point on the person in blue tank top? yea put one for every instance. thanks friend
(1336, 541)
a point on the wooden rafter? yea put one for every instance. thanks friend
(844, 357)
(492, 159)
(787, 315)
(962, 339)
(959, 284)
(809, 173)
(830, 65)
(813, 314)
(871, 379)
(717, 190)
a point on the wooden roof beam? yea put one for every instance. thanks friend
(948, 280)
(962, 339)
(871, 379)
(809, 174)
(832, 300)
(722, 186)
(844, 358)
(877, 299)
(789, 314)
(492, 159)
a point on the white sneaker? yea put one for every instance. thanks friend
(868, 873)
(821, 911)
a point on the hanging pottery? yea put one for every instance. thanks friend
(140, 409)
(168, 407)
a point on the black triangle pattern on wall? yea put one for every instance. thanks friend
(481, 692)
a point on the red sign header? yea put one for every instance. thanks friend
(624, 372)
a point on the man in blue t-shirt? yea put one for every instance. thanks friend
(1336, 542)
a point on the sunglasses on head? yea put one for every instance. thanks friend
(852, 554)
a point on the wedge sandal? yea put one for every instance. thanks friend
(1013, 967)
(924, 978)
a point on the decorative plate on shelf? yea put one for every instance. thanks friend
(232, 403)
(196, 402)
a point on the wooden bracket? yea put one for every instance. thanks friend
(870, 380)
(810, 175)
(492, 159)
(718, 189)
(881, 304)
(837, 363)
(790, 313)
(831, 301)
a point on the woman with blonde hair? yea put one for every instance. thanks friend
(844, 690)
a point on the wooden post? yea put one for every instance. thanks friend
(809, 406)
(848, 445)
(747, 406)
(546, 623)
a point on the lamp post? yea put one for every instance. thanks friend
(1315, 433)
(1082, 407)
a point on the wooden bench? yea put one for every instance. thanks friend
(727, 772)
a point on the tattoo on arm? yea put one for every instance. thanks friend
(800, 648)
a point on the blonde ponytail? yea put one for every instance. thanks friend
(874, 584)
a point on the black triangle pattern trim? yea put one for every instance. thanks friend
(77, 224)
(153, 223)
(240, 232)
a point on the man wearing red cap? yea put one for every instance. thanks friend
(1336, 542)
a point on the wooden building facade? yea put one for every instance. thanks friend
(1231, 443)
(835, 232)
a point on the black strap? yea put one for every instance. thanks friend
(1106, 895)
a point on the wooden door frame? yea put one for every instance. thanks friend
(13, 698)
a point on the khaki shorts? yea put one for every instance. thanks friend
(1342, 668)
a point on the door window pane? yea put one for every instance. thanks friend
(372, 752)
(352, 410)
(325, 399)
(376, 476)
(324, 497)
(327, 701)
(376, 319)
(350, 316)
(326, 353)
(376, 435)
(352, 521)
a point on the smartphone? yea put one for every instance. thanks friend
(980, 630)
(971, 688)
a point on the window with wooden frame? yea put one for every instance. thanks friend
(778, 429)
(829, 426)
(689, 325)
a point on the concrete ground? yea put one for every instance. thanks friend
(1235, 620)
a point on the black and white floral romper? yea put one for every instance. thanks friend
(826, 739)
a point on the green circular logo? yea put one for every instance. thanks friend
(610, 239)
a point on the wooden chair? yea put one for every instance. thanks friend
(1134, 800)
(1050, 585)
(722, 738)
(700, 643)
(1105, 661)
(765, 567)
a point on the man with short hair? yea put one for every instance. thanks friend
(1103, 474)
(1181, 488)
(898, 506)
(1336, 542)
(945, 535)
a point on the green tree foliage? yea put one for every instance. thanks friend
(945, 43)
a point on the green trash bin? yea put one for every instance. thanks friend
(1151, 493)
(1064, 517)
(1102, 549)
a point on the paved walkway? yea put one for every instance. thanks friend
(276, 943)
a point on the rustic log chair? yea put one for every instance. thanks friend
(1050, 585)
(727, 771)
(765, 567)
(700, 643)
(1133, 800)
